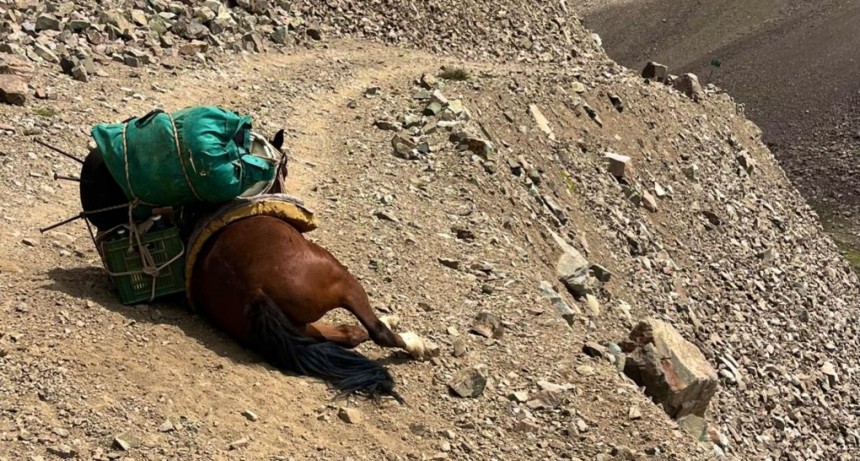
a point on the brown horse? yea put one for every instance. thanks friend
(262, 282)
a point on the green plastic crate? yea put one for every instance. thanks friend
(134, 288)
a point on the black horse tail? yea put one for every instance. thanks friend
(276, 339)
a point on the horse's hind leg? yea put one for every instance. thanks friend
(354, 299)
(348, 336)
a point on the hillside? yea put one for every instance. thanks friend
(795, 65)
(704, 232)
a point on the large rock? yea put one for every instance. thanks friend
(45, 53)
(47, 22)
(619, 165)
(564, 309)
(694, 425)
(746, 161)
(690, 86)
(79, 66)
(253, 42)
(673, 371)
(541, 121)
(656, 72)
(572, 269)
(14, 65)
(118, 21)
(253, 6)
(487, 325)
(13, 90)
(468, 383)
(191, 30)
(139, 18)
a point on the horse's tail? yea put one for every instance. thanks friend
(274, 337)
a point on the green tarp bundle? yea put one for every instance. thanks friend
(198, 154)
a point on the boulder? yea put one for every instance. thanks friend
(694, 425)
(649, 202)
(690, 86)
(13, 90)
(314, 32)
(204, 14)
(746, 161)
(77, 25)
(14, 65)
(47, 22)
(252, 42)
(257, 6)
(573, 269)
(487, 325)
(139, 18)
(673, 371)
(468, 383)
(193, 47)
(541, 121)
(349, 415)
(480, 147)
(619, 165)
(190, 30)
(656, 72)
(564, 309)
(281, 35)
(404, 147)
(45, 53)
(116, 20)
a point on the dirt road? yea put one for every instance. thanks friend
(84, 369)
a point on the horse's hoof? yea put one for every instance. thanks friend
(391, 321)
(414, 345)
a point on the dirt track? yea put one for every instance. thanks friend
(133, 357)
(80, 369)
(100, 369)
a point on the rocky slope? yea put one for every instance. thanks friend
(792, 63)
(453, 215)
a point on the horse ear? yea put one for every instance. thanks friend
(278, 140)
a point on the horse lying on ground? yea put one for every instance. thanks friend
(262, 282)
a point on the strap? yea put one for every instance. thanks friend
(181, 163)
(145, 119)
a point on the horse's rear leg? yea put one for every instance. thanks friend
(348, 336)
(355, 301)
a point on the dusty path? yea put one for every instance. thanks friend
(102, 366)
(82, 369)
(436, 240)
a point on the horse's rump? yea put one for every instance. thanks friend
(282, 206)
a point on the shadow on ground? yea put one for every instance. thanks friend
(91, 283)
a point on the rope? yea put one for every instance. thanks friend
(125, 155)
(181, 163)
(159, 268)
(149, 266)
(178, 154)
(148, 262)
